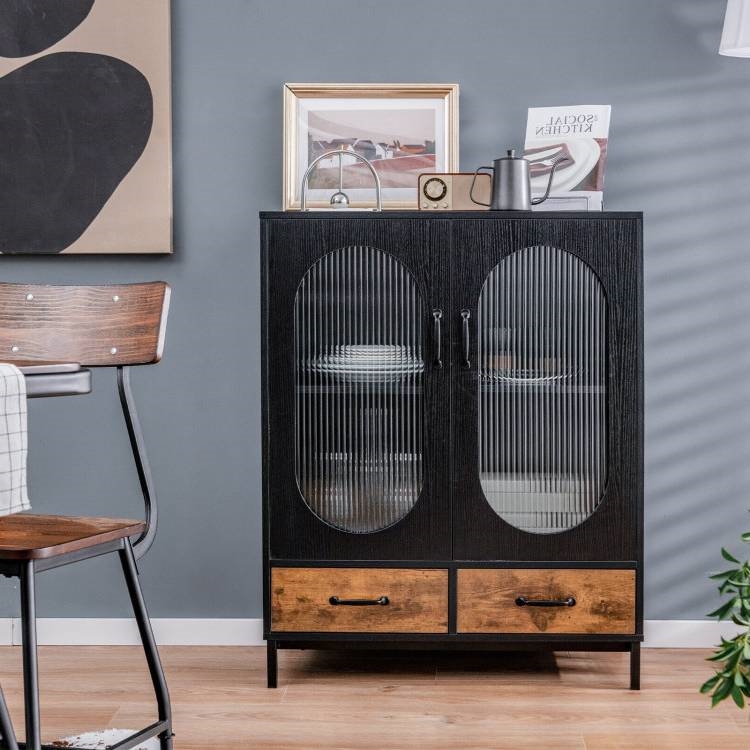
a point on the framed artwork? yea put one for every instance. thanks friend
(85, 127)
(403, 129)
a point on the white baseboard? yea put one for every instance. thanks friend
(69, 631)
(91, 631)
(686, 633)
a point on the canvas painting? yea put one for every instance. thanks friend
(85, 127)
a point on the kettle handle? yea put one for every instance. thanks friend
(471, 189)
(558, 163)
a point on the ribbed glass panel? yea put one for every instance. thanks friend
(542, 390)
(358, 371)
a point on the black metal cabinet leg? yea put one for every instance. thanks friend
(149, 644)
(635, 666)
(7, 735)
(30, 666)
(271, 663)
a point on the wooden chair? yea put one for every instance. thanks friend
(94, 326)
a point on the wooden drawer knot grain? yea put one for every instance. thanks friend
(546, 601)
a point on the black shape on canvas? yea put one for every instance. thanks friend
(30, 26)
(72, 125)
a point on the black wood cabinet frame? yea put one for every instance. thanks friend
(451, 526)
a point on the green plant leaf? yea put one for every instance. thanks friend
(723, 612)
(733, 661)
(709, 683)
(738, 697)
(728, 557)
(721, 692)
(718, 656)
(746, 536)
(721, 655)
(723, 574)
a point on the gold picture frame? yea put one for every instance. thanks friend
(372, 119)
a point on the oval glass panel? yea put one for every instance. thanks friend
(542, 326)
(358, 377)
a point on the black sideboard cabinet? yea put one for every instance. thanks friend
(452, 431)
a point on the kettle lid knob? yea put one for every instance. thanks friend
(511, 153)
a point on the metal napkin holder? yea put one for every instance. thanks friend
(340, 200)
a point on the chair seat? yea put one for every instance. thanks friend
(27, 536)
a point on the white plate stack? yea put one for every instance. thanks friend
(368, 363)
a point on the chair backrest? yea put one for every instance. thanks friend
(95, 326)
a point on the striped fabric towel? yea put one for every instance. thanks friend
(14, 496)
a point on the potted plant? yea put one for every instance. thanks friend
(732, 656)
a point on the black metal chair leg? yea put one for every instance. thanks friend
(635, 666)
(7, 735)
(271, 663)
(30, 667)
(149, 644)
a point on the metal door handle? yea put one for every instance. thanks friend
(522, 601)
(465, 315)
(336, 602)
(437, 315)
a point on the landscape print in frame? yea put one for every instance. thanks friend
(402, 129)
(85, 127)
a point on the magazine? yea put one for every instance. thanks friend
(577, 137)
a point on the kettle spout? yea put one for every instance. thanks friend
(559, 163)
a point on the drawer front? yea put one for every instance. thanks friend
(417, 600)
(502, 601)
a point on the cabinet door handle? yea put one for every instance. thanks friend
(465, 315)
(522, 601)
(437, 316)
(336, 602)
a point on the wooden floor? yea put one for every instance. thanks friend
(369, 701)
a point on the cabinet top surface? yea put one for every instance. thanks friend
(442, 215)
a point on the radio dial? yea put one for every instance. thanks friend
(435, 189)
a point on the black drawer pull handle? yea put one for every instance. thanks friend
(437, 315)
(336, 602)
(522, 601)
(465, 315)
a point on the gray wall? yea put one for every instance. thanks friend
(679, 150)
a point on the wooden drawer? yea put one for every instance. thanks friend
(604, 601)
(417, 600)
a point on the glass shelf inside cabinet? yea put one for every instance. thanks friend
(359, 371)
(542, 324)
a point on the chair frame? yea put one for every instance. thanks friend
(128, 553)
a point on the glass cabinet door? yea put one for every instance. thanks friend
(542, 397)
(359, 368)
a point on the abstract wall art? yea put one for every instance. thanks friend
(85, 127)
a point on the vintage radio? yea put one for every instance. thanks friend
(451, 191)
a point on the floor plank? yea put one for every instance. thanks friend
(374, 701)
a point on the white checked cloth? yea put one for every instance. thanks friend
(14, 495)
